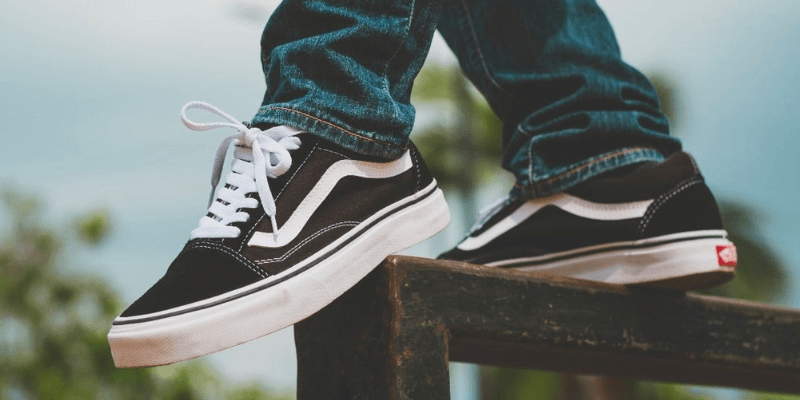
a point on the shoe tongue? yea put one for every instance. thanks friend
(243, 153)
(306, 143)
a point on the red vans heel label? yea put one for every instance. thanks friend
(726, 255)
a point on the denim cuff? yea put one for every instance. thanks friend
(530, 186)
(356, 141)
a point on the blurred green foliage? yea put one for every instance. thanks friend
(53, 333)
(646, 391)
(509, 383)
(464, 149)
(93, 227)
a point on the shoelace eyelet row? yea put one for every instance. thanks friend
(247, 176)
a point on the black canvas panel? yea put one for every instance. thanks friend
(553, 230)
(687, 207)
(293, 254)
(303, 182)
(352, 200)
(202, 270)
(276, 185)
(423, 174)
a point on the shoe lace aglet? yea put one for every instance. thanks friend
(274, 227)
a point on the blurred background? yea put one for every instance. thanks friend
(101, 183)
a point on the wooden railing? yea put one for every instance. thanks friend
(392, 335)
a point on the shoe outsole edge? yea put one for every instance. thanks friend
(683, 265)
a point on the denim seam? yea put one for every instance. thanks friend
(396, 52)
(583, 166)
(480, 53)
(331, 124)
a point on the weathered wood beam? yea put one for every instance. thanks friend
(392, 335)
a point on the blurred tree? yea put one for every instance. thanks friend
(463, 149)
(53, 333)
(508, 383)
(93, 227)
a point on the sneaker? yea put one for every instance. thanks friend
(654, 224)
(294, 227)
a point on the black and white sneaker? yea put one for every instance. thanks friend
(656, 225)
(258, 263)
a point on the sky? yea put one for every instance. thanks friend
(90, 94)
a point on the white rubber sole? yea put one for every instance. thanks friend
(661, 259)
(205, 327)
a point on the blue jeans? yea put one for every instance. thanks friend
(551, 70)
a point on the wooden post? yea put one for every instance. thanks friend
(364, 346)
(392, 335)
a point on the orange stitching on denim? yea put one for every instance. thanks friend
(599, 160)
(336, 126)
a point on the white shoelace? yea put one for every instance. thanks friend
(249, 171)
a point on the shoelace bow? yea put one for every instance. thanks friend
(245, 177)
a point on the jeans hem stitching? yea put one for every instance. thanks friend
(589, 164)
(331, 124)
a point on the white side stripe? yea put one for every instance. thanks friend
(322, 189)
(570, 204)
